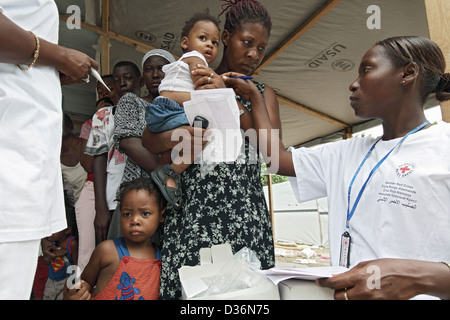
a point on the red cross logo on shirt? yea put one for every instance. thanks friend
(405, 169)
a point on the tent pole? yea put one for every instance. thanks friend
(105, 55)
(320, 222)
(438, 14)
(269, 190)
(348, 133)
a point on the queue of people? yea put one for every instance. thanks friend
(144, 216)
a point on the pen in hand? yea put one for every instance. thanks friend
(243, 77)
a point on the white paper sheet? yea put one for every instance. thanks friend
(220, 108)
(277, 275)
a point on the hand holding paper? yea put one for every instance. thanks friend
(220, 108)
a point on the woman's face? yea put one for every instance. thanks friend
(376, 92)
(246, 47)
(153, 74)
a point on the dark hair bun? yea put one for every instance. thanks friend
(443, 88)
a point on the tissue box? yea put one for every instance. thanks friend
(296, 289)
(213, 262)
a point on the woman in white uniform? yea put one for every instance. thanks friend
(388, 196)
(31, 204)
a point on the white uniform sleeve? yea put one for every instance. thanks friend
(309, 182)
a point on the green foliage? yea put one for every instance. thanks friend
(275, 177)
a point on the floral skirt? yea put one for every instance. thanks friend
(227, 205)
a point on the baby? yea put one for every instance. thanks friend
(200, 43)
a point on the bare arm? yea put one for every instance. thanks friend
(86, 160)
(157, 143)
(134, 149)
(18, 46)
(265, 119)
(102, 215)
(100, 259)
(273, 109)
(74, 250)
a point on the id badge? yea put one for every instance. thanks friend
(345, 249)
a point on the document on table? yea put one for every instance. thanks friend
(220, 108)
(277, 275)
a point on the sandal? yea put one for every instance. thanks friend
(172, 195)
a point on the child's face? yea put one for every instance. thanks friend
(204, 38)
(140, 215)
(126, 80)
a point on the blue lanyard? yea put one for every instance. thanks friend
(350, 213)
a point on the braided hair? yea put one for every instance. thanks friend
(239, 12)
(141, 184)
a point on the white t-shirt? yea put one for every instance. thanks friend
(404, 211)
(31, 189)
(101, 141)
(178, 75)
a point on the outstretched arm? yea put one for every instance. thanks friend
(269, 141)
(18, 47)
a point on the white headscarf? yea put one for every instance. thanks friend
(158, 52)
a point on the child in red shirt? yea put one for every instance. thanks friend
(129, 267)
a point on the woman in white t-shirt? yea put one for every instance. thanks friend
(32, 204)
(388, 197)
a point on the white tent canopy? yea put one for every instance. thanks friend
(313, 55)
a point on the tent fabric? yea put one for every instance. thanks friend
(313, 71)
(302, 228)
(304, 223)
